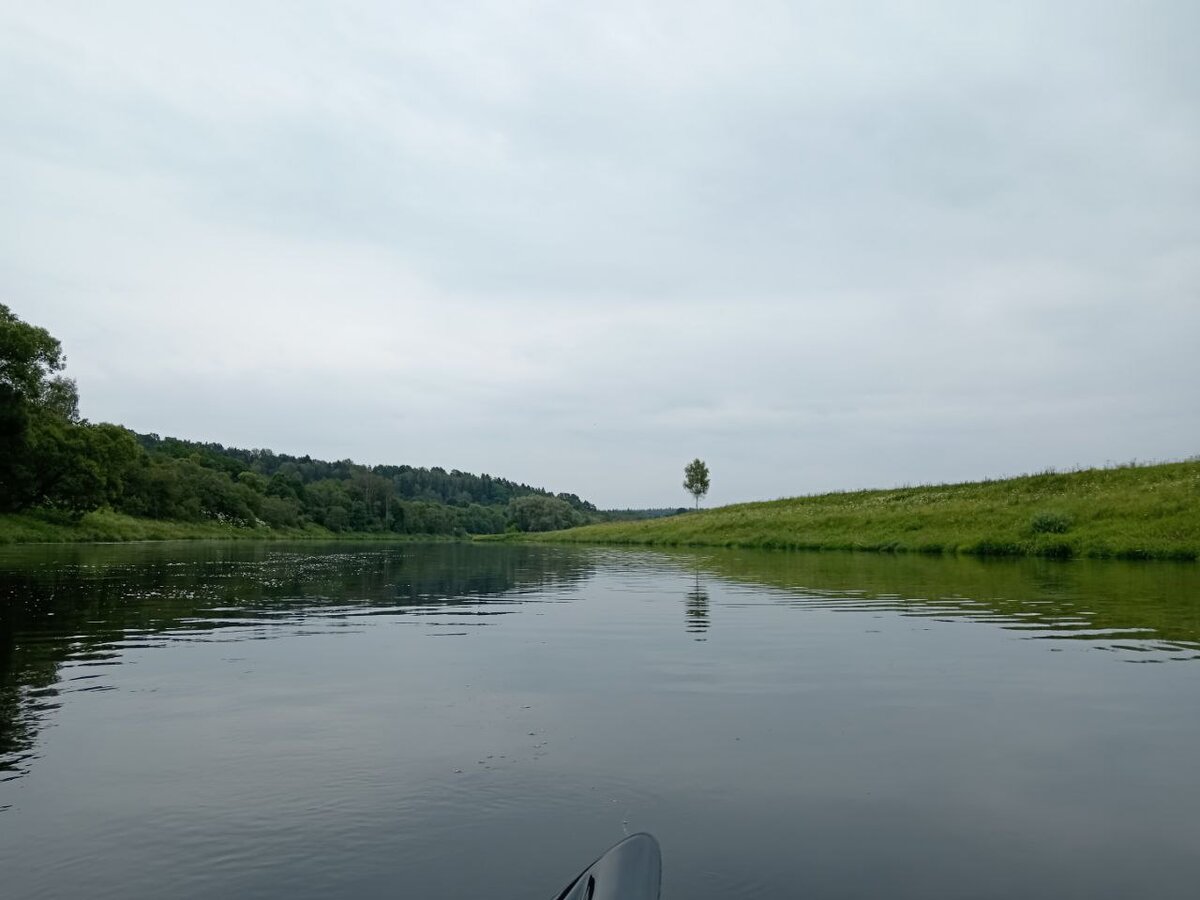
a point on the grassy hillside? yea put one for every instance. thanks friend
(1139, 512)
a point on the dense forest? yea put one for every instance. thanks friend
(54, 461)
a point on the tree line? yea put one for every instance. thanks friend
(52, 459)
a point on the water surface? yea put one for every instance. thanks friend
(199, 720)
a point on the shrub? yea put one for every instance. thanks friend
(1050, 523)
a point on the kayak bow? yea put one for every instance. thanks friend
(631, 870)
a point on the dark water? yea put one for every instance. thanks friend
(457, 721)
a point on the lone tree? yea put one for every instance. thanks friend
(695, 479)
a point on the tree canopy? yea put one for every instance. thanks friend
(38, 409)
(29, 360)
(695, 479)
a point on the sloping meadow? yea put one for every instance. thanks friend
(1131, 512)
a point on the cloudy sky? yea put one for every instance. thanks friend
(819, 244)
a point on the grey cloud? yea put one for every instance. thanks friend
(826, 244)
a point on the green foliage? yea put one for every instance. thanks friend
(1134, 512)
(280, 512)
(45, 455)
(1049, 523)
(695, 479)
(49, 526)
(29, 362)
(15, 484)
(631, 515)
(535, 513)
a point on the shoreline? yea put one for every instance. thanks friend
(106, 527)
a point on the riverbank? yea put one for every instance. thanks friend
(107, 526)
(1127, 512)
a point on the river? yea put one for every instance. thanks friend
(199, 720)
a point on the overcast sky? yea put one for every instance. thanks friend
(820, 245)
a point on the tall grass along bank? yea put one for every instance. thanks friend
(1132, 512)
(107, 526)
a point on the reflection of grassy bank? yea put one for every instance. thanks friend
(1104, 602)
(105, 525)
(1138, 512)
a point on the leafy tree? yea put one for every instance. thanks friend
(16, 482)
(277, 511)
(539, 513)
(477, 519)
(254, 481)
(158, 490)
(80, 467)
(29, 362)
(38, 407)
(695, 479)
(65, 473)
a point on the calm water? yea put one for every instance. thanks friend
(451, 721)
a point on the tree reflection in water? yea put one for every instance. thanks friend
(83, 604)
(696, 610)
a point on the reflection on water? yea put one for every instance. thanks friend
(697, 609)
(1151, 611)
(280, 720)
(67, 612)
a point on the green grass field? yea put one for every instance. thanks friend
(1131, 512)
